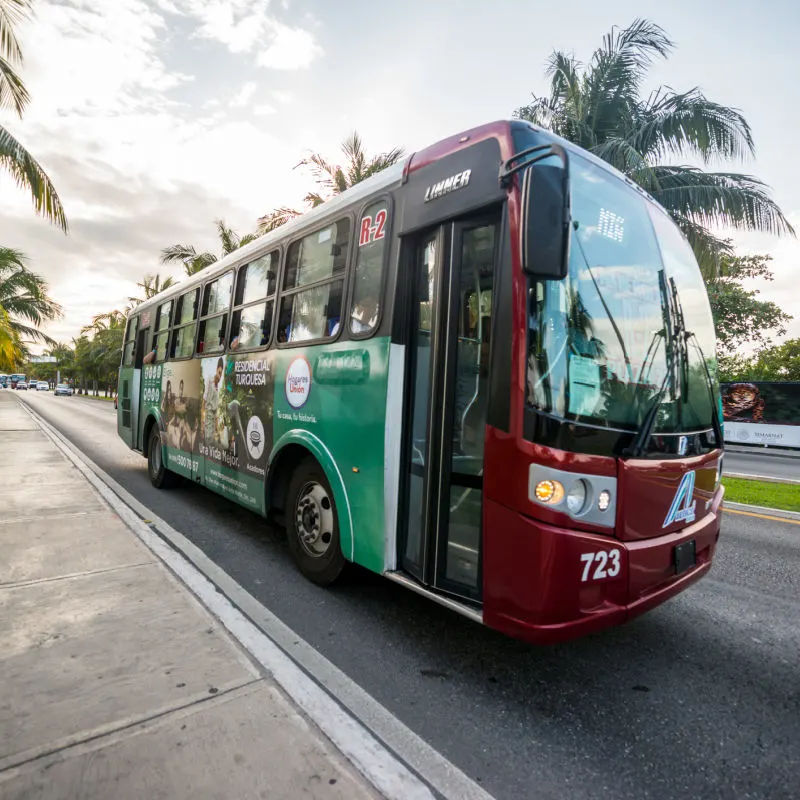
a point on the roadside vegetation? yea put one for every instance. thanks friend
(768, 494)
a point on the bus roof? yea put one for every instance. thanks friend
(387, 178)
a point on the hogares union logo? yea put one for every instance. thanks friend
(683, 504)
(298, 382)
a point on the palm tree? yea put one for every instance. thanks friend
(600, 107)
(23, 167)
(193, 261)
(110, 320)
(151, 285)
(24, 298)
(333, 179)
(12, 350)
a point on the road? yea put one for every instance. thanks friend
(698, 698)
(770, 463)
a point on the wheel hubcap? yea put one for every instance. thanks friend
(313, 517)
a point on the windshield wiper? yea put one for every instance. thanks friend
(638, 446)
(716, 422)
(685, 335)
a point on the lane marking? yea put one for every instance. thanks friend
(371, 737)
(761, 516)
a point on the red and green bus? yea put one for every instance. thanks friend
(486, 373)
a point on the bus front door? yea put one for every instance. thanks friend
(137, 422)
(446, 404)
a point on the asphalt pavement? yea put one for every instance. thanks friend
(769, 462)
(698, 698)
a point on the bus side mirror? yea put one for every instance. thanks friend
(545, 221)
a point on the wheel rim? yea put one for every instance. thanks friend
(155, 456)
(313, 518)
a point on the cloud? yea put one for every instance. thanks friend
(237, 24)
(785, 252)
(244, 26)
(263, 110)
(290, 48)
(136, 169)
(245, 93)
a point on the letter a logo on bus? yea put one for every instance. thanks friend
(683, 504)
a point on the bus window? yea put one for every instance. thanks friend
(216, 302)
(129, 348)
(319, 259)
(252, 316)
(369, 269)
(161, 336)
(185, 325)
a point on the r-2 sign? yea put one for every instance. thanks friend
(372, 231)
(606, 564)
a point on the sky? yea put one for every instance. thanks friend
(155, 117)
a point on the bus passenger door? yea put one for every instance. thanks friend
(142, 338)
(446, 405)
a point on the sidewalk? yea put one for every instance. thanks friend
(116, 682)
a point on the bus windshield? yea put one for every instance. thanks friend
(630, 326)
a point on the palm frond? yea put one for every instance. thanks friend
(720, 199)
(30, 333)
(199, 263)
(13, 93)
(688, 123)
(274, 219)
(12, 12)
(622, 155)
(322, 172)
(227, 236)
(616, 72)
(314, 199)
(709, 250)
(247, 238)
(28, 174)
(180, 253)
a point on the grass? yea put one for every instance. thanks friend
(785, 496)
(98, 397)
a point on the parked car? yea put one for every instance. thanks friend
(43, 386)
(22, 386)
(62, 388)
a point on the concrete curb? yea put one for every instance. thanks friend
(772, 512)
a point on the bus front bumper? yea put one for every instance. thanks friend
(541, 586)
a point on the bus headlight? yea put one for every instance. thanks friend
(576, 497)
(550, 492)
(590, 499)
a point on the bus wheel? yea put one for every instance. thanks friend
(160, 476)
(312, 525)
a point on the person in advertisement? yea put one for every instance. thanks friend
(211, 403)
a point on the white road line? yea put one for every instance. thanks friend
(368, 735)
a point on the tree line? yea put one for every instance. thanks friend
(598, 105)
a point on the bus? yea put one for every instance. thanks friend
(486, 373)
(13, 380)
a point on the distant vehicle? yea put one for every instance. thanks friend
(43, 386)
(3, 380)
(62, 388)
(13, 380)
(22, 386)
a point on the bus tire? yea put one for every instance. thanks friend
(312, 525)
(160, 476)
